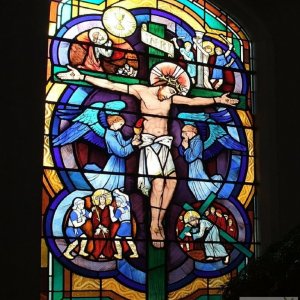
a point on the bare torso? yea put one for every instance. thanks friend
(155, 111)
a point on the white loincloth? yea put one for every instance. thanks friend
(155, 160)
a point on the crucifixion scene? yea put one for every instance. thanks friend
(148, 148)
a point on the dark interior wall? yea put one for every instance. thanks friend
(273, 28)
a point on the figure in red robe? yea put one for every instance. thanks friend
(103, 227)
(220, 221)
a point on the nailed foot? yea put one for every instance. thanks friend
(157, 237)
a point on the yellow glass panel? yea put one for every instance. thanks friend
(91, 6)
(198, 283)
(44, 254)
(116, 39)
(48, 115)
(130, 4)
(246, 121)
(196, 18)
(219, 281)
(83, 294)
(246, 195)
(175, 3)
(84, 283)
(113, 285)
(55, 91)
(111, 2)
(75, 9)
(249, 134)
(53, 178)
(47, 154)
(250, 173)
(52, 29)
(88, 11)
(48, 86)
(242, 35)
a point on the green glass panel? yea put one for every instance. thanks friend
(114, 78)
(239, 246)
(156, 275)
(57, 296)
(158, 30)
(57, 276)
(213, 23)
(241, 266)
(210, 297)
(89, 298)
(122, 79)
(198, 10)
(97, 2)
(236, 46)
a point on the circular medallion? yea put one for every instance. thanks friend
(119, 22)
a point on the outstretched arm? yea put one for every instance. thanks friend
(230, 46)
(74, 74)
(174, 40)
(224, 99)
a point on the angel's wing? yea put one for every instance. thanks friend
(216, 138)
(89, 124)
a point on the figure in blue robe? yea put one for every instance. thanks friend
(195, 150)
(113, 174)
(204, 185)
(198, 228)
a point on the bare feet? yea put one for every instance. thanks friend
(161, 230)
(157, 238)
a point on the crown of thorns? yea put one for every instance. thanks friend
(173, 82)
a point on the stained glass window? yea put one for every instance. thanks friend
(148, 182)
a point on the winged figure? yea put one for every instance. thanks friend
(89, 123)
(101, 125)
(203, 138)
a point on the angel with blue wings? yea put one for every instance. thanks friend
(101, 125)
(194, 150)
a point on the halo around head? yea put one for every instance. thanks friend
(190, 216)
(99, 34)
(102, 193)
(170, 74)
(210, 44)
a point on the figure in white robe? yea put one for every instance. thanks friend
(200, 227)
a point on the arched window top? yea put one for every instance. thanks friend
(149, 159)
